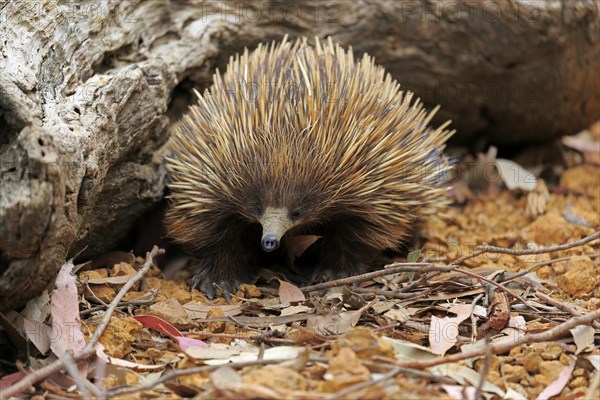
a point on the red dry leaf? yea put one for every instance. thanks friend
(159, 325)
(162, 326)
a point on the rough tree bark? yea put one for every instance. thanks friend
(90, 90)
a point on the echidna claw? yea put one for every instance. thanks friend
(226, 288)
(210, 288)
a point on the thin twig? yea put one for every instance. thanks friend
(91, 345)
(484, 248)
(87, 288)
(86, 388)
(183, 372)
(505, 345)
(542, 264)
(496, 284)
(425, 267)
(474, 317)
(263, 338)
(35, 376)
(564, 307)
(390, 294)
(136, 302)
(416, 373)
(592, 392)
(424, 278)
(388, 270)
(390, 365)
(462, 259)
(484, 371)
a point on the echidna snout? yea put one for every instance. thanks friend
(269, 243)
(275, 223)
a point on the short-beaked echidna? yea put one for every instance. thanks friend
(300, 139)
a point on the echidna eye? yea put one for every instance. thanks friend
(296, 213)
(257, 208)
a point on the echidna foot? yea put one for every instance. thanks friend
(210, 286)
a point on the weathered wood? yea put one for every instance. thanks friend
(89, 91)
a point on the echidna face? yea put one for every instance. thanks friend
(276, 221)
(278, 195)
